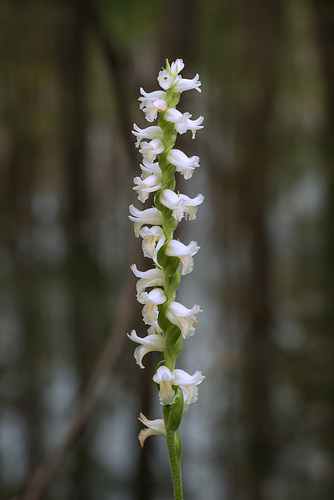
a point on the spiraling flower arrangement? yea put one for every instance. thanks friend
(169, 322)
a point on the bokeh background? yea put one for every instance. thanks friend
(70, 391)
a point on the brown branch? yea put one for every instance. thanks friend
(110, 354)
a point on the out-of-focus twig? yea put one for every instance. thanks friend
(110, 353)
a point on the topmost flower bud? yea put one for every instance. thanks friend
(170, 77)
(176, 67)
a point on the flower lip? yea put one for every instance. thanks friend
(181, 205)
(164, 378)
(165, 80)
(151, 216)
(147, 344)
(183, 317)
(151, 302)
(148, 185)
(188, 84)
(152, 277)
(182, 121)
(152, 102)
(153, 239)
(151, 149)
(184, 252)
(153, 132)
(184, 164)
(154, 428)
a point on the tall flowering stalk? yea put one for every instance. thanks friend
(168, 321)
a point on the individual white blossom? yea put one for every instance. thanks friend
(188, 384)
(152, 102)
(168, 78)
(154, 428)
(146, 186)
(151, 301)
(184, 252)
(182, 121)
(184, 164)
(151, 149)
(152, 277)
(153, 239)
(164, 377)
(151, 216)
(150, 169)
(181, 204)
(165, 80)
(153, 132)
(183, 317)
(147, 344)
(188, 84)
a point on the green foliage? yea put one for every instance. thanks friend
(176, 411)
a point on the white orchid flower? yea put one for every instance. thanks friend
(153, 239)
(181, 204)
(182, 121)
(165, 80)
(164, 378)
(146, 186)
(153, 132)
(152, 102)
(147, 344)
(151, 216)
(191, 205)
(184, 252)
(151, 149)
(154, 428)
(151, 302)
(152, 277)
(184, 164)
(187, 84)
(183, 317)
(188, 384)
(150, 169)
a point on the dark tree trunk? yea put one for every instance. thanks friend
(324, 16)
(73, 58)
(258, 66)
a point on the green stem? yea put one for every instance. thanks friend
(174, 459)
(171, 284)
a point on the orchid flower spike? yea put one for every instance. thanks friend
(167, 321)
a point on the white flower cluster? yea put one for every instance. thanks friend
(156, 147)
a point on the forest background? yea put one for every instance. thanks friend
(70, 391)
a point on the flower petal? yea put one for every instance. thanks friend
(154, 428)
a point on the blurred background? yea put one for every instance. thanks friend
(70, 391)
